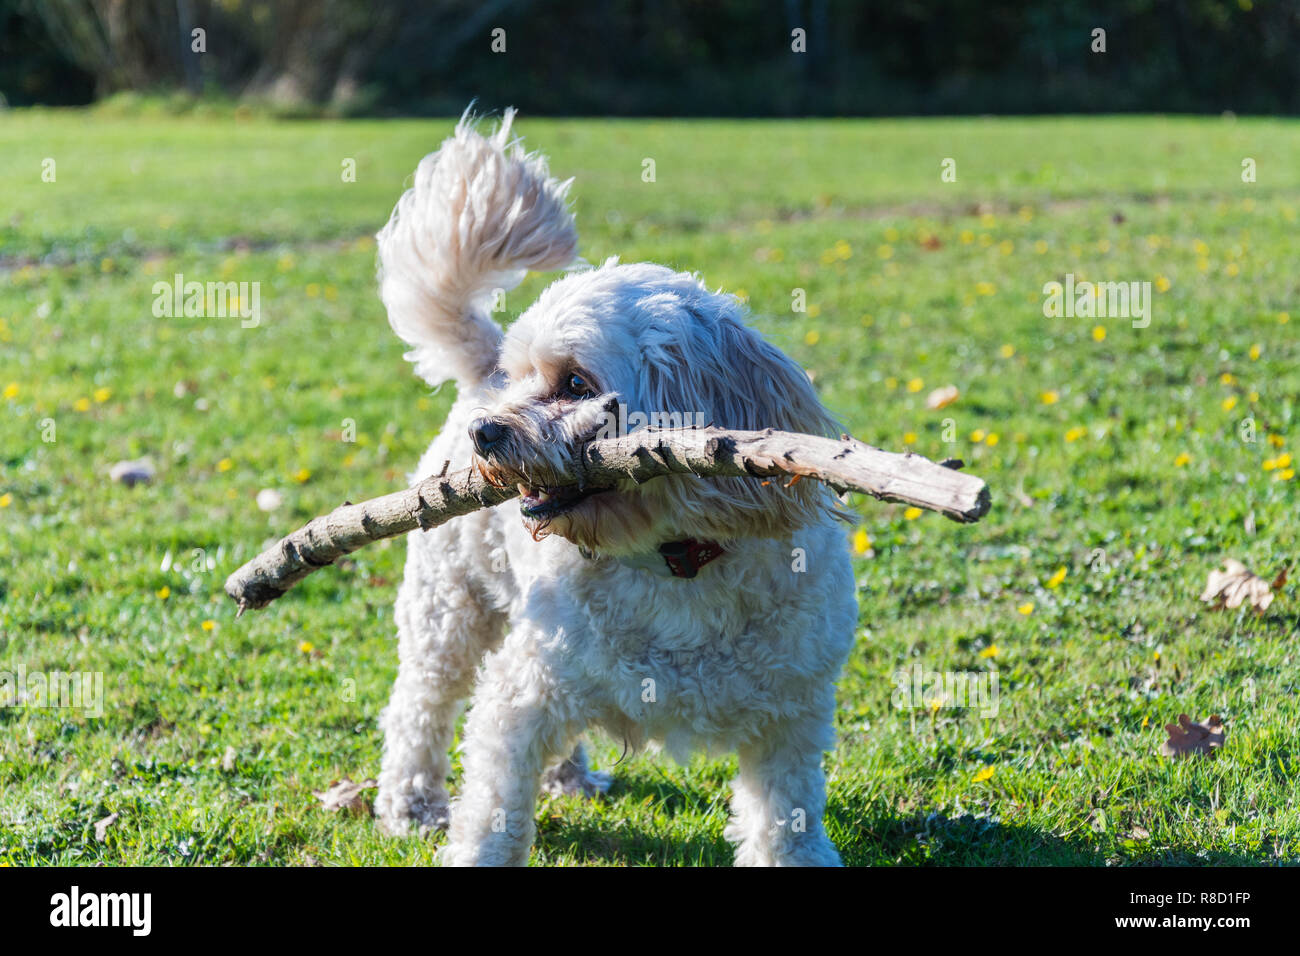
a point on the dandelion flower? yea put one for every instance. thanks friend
(911, 514)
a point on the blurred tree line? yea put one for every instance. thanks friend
(665, 57)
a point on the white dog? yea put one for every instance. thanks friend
(689, 613)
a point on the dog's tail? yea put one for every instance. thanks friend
(481, 214)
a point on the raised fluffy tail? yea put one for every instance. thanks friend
(481, 214)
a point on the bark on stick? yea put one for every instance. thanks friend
(844, 464)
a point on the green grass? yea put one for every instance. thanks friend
(1092, 482)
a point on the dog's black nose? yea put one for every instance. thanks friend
(486, 433)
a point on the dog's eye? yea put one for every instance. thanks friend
(578, 386)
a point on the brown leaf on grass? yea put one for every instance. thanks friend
(101, 827)
(942, 397)
(1237, 583)
(1187, 738)
(346, 795)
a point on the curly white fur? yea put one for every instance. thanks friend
(546, 621)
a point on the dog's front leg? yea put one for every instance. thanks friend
(516, 726)
(780, 796)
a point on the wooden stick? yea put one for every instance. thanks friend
(844, 464)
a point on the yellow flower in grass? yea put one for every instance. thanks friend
(1285, 474)
(1227, 378)
(1050, 397)
(1230, 403)
(1277, 441)
(915, 385)
(992, 439)
(1075, 433)
(1162, 284)
(1040, 246)
(985, 288)
(1007, 351)
(983, 775)
(861, 541)
(225, 464)
(103, 394)
(163, 593)
(208, 625)
(909, 438)
(911, 514)
(1255, 353)
(11, 390)
(1099, 333)
(990, 651)
(1182, 459)
(1027, 608)
(1055, 580)
(81, 405)
(302, 475)
(6, 500)
(306, 647)
(977, 435)
(812, 337)
(1283, 460)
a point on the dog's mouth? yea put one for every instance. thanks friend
(549, 501)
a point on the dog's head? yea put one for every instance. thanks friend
(630, 345)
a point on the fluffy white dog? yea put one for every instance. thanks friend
(688, 613)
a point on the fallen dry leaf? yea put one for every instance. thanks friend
(346, 795)
(1187, 738)
(101, 827)
(942, 397)
(1237, 583)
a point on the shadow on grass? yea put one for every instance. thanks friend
(863, 830)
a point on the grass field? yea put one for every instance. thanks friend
(1120, 467)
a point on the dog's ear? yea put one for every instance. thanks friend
(700, 359)
(706, 360)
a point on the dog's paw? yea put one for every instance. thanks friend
(571, 779)
(398, 815)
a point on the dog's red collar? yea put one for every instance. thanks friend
(674, 559)
(685, 558)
